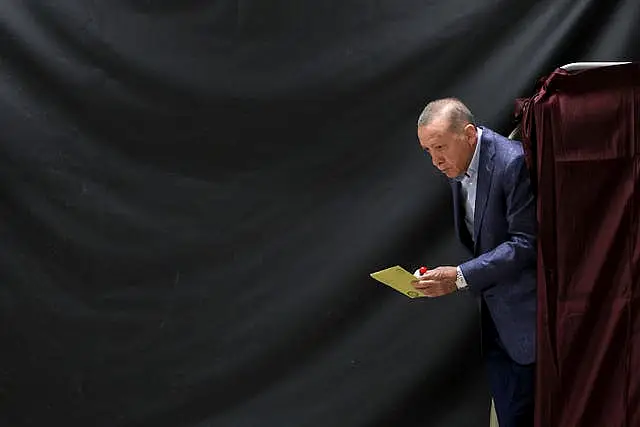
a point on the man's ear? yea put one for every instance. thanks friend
(470, 132)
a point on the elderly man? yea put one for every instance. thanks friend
(494, 213)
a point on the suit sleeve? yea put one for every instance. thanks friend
(504, 263)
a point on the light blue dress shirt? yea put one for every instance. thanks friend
(468, 187)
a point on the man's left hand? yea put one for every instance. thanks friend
(437, 282)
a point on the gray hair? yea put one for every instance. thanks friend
(451, 109)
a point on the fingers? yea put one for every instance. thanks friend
(430, 288)
(435, 274)
(427, 287)
(424, 284)
(430, 283)
(430, 275)
(432, 292)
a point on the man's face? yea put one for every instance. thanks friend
(450, 151)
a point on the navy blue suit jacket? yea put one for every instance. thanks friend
(503, 270)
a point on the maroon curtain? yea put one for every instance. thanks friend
(581, 132)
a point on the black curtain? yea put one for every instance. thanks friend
(193, 194)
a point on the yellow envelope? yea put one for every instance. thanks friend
(399, 279)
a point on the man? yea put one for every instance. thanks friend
(495, 219)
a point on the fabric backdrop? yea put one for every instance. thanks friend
(192, 196)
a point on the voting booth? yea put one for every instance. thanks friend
(581, 133)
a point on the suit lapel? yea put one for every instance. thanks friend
(485, 175)
(458, 211)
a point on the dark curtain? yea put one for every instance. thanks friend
(582, 133)
(193, 194)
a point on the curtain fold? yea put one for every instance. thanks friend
(581, 137)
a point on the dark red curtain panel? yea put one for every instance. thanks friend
(582, 136)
